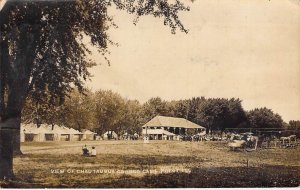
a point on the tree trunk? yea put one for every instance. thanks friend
(16, 75)
(6, 153)
(7, 131)
(17, 139)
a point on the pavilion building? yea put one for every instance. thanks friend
(170, 128)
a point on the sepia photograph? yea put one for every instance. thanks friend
(149, 93)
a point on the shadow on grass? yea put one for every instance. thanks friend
(110, 159)
(268, 176)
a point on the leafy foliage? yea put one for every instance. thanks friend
(109, 109)
(46, 41)
(43, 53)
(105, 110)
(295, 126)
(153, 107)
(264, 118)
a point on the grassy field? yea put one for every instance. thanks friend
(157, 164)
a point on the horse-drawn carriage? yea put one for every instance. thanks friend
(244, 140)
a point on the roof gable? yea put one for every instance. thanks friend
(163, 121)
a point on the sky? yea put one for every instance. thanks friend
(247, 49)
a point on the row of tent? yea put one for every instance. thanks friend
(30, 132)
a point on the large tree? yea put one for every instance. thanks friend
(109, 110)
(295, 126)
(220, 113)
(131, 121)
(42, 111)
(43, 52)
(78, 111)
(264, 118)
(153, 107)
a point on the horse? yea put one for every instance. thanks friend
(252, 140)
(288, 139)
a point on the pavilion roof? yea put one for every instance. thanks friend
(163, 121)
(159, 131)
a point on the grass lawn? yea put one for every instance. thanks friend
(157, 164)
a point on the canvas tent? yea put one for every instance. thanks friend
(46, 133)
(57, 130)
(110, 135)
(70, 134)
(30, 132)
(126, 136)
(88, 135)
(75, 135)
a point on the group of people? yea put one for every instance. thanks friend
(86, 152)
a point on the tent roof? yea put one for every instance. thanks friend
(64, 130)
(159, 131)
(29, 129)
(33, 129)
(110, 132)
(172, 122)
(74, 132)
(47, 129)
(88, 132)
(56, 129)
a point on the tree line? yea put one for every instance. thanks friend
(105, 110)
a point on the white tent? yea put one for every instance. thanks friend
(110, 135)
(75, 135)
(88, 135)
(46, 134)
(30, 132)
(57, 130)
(126, 136)
(65, 134)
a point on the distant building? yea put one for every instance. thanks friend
(169, 128)
(30, 132)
